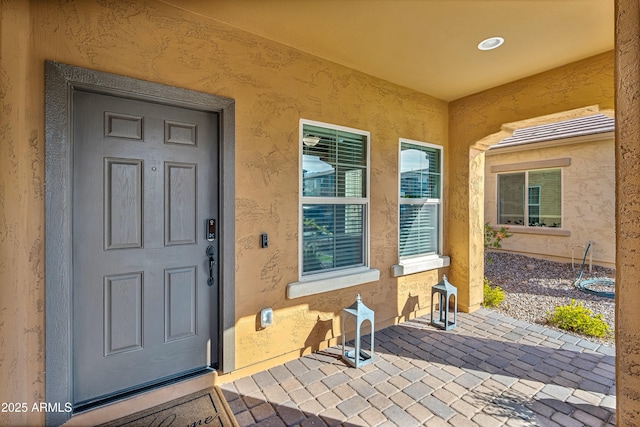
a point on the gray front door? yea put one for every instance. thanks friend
(144, 287)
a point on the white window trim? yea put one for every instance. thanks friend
(347, 279)
(418, 264)
(317, 283)
(529, 229)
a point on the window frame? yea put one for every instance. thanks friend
(319, 282)
(526, 204)
(422, 262)
(539, 196)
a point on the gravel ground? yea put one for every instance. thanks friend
(534, 287)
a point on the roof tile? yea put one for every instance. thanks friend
(589, 125)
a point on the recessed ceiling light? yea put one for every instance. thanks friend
(490, 43)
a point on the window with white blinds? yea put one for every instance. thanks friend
(334, 198)
(420, 199)
(539, 206)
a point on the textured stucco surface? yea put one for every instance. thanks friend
(21, 220)
(480, 117)
(588, 201)
(274, 86)
(627, 212)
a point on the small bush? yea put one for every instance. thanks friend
(577, 318)
(492, 295)
(493, 238)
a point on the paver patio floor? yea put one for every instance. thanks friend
(490, 370)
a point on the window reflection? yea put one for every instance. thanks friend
(334, 199)
(419, 172)
(419, 200)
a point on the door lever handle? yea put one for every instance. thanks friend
(212, 262)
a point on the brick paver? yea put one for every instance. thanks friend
(490, 370)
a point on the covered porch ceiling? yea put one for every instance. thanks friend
(428, 45)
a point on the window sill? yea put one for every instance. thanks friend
(548, 231)
(319, 286)
(418, 265)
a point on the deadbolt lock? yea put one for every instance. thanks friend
(211, 229)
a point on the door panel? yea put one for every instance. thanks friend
(180, 203)
(123, 203)
(145, 183)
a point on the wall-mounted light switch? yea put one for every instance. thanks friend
(264, 240)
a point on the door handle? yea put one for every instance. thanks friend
(210, 253)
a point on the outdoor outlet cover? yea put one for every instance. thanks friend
(266, 317)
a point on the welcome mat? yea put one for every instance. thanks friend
(204, 408)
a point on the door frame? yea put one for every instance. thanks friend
(60, 82)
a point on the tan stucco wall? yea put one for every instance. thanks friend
(588, 201)
(21, 221)
(274, 86)
(627, 213)
(477, 117)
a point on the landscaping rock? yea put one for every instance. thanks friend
(532, 292)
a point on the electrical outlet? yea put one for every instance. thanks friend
(266, 317)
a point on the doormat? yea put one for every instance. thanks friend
(204, 408)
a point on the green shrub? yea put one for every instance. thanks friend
(575, 317)
(492, 295)
(493, 238)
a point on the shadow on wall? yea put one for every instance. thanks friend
(502, 376)
(410, 306)
(322, 333)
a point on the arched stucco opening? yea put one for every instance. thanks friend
(477, 189)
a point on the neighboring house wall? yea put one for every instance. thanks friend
(475, 123)
(588, 200)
